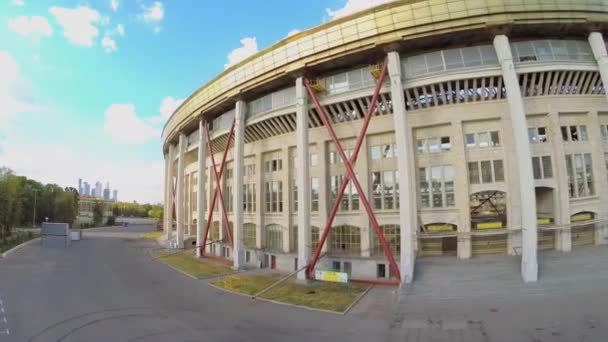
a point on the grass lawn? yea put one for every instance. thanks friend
(198, 268)
(15, 239)
(151, 235)
(319, 295)
(248, 284)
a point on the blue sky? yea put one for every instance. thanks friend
(86, 86)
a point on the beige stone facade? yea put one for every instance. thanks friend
(499, 126)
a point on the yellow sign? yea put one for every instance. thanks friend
(439, 227)
(543, 221)
(336, 277)
(581, 217)
(489, 225)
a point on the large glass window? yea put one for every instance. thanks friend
(392, 236)
(249, 234)
(436, 186)
(537, 135)
(580, 175)
(314, 194)
(489, 170)
(345, 240)
(350, 200)
(273, 237)
(451, 59)
(482, 139)
(385, 189)
(604, 131)
(434, 145)
(541, 167)
(274, 196)
(575, 133)
(551, 50)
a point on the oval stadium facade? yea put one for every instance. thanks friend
(416, 129)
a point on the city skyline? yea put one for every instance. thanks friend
(84, 189)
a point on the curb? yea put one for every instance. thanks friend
(342, 313)
(356, 301)
(14, 249)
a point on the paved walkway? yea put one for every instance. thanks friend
(106, 288)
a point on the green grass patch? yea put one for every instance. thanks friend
(150, 235)
(248, 284)
(319, 295)
(187, 262)
(16, 239)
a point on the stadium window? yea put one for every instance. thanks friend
(314, 194)
(470, 139)
(580, 175)
(436, 185)
(314, 159)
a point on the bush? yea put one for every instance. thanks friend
(111, 221)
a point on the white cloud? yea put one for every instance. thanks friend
(108, 44)
(114, 5)
(18, 2)
(123, 124)
(167, 106)
(36, 26)
(139, 180)
(153, 13)
(120, 29)
(353, 6)
(10, 97)
(78, 24)
(249, 46)
(292, 32)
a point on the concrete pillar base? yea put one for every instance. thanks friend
(529, 271)
(564, 241)
(464, 247)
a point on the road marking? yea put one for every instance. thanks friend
(3, 316)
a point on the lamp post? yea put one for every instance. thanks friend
(34, 218)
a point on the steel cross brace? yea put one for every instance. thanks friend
(350, 175)
(218, 190)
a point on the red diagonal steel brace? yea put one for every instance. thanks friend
(350, 175)
(218, 190)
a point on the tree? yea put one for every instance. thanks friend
(10, 204)
(97, 212)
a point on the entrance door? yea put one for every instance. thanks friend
(273, 262)
(448, 246)
(266, 261)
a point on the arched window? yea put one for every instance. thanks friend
(249, 239)
(215, 231)
(488, 209)
(392, 235)
(274, 237)
(314, 238)
(345, 240)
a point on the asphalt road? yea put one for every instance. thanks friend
(106, 288)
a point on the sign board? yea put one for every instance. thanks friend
(489, 225)
(439, 227)
(336, 277)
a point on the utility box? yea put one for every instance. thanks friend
(55, 234)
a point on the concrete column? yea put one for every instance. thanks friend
(167, 211)
(179, 196)
(598, 46)
(461, 191)
(285, 178)
(201, 194)
(408, 206)
(362, 170)
(237, 188)
(303, 179)
(599, 174)
(529, 265)
(563, 238)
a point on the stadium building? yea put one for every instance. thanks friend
(441, 128)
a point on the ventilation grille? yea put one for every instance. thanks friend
(453, 92)
(561, 82)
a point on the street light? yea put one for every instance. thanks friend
(34, 218)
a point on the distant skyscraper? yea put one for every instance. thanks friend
(115, 196)
(80, 186)
(93, 192)
(87, 189)
(106, 192)
(98, 191)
